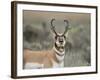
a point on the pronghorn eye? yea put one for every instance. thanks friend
(56, 37)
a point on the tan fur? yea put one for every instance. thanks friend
(44, 57)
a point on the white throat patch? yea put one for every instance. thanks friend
(62, 53)
(60, 58)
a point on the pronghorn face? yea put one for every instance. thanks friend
(60, 39)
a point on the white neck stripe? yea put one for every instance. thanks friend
(59, 58)
(58, 51)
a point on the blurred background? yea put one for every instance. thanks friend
(37, 34)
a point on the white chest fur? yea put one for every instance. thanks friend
(58, 65)
(33, 66)
(61, 62)
(60, 59)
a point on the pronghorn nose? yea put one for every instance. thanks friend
(61, 41)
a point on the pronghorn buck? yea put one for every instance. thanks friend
(53, 58)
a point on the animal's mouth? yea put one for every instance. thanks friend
(61, 48)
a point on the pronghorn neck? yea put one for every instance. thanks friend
(59, 55)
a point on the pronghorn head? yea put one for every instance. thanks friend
(60, 38)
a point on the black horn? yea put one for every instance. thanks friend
(67, 26)
(53, 27)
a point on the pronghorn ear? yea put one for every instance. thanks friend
(54, 35)
(64, 36)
